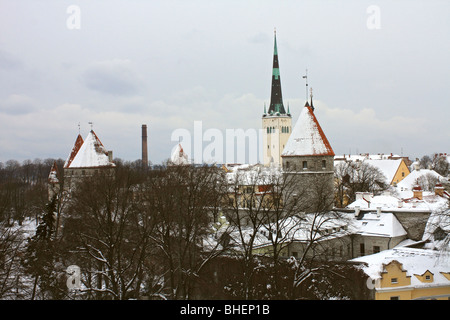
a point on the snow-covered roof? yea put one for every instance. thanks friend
(307, 137)
(387, 167)
(179, 157)
(384, 224)
(255, 174)
(430, 202)
(296, 229)
(73, 153)
(418, 175)
(92, 153)
(383, 201)
(366, 156)
(414, 262)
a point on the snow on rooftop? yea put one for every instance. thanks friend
(387, 167)
(384, 224)
(366, 156)
(253, 174)
(307, 137)
(418, 175)
(75, 149)
(404, 201)
(92, 153)
(383, 201)
(179, 157)
(414, 261)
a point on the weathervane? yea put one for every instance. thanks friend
(91, 124)
(79, 128)
(306, 79)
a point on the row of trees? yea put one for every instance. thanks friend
(176, 232)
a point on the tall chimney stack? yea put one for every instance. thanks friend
(144, 146)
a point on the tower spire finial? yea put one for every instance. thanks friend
(311, 95)
(306, 79)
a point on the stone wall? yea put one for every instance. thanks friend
(413, 222)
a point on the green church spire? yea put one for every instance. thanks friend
(276, 99)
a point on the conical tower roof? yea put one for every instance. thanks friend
(92, 153)
(73, 153)
(307, 137)
(179, 157)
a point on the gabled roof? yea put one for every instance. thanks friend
(307, 137)
(383, 225)
(76, 147)
(388, 167)
(92, 153)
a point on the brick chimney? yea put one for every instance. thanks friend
(439, 189)
(418, 193)
(144, 146)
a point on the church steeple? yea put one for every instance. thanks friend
(276, 99)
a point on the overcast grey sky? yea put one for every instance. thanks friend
(170, 63)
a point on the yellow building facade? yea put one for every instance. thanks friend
(409, 274)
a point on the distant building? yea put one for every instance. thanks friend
(395, 168)
(179, 156)
(87, 157)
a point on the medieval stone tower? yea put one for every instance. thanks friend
(276, 122)
(309, 159)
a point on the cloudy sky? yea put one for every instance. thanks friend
(380, 71)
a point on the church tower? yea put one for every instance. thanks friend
(276, 122)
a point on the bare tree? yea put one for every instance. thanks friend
(184, 200)
(11, 286)
(107, 233)
(357, 176)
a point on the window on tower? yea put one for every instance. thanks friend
(305, 165)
